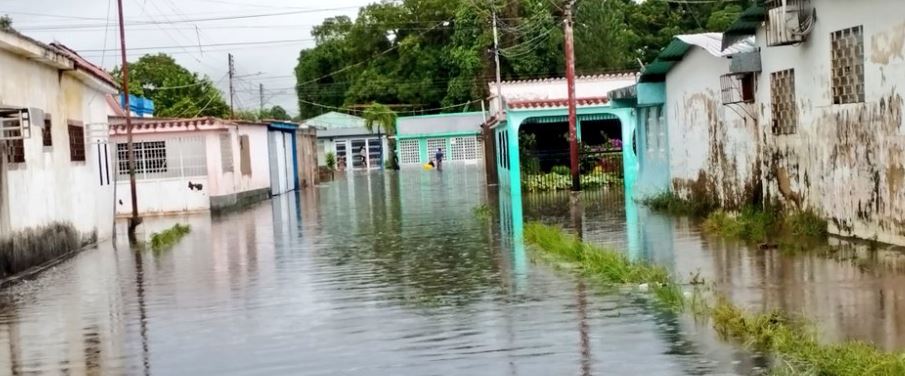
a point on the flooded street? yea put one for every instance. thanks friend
(394, 274)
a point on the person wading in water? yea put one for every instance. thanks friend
(439, 158)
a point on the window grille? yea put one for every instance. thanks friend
(848, 65)
(737, 88)
(409, 152)
(436, 143)
(173, 158)
(464, 149)
(785, 111)
(226, 152)
(374, 151)
(76, 142)
(15, 152)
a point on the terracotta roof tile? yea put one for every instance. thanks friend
(556, 103)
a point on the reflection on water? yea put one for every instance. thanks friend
(849, 290)
(369, 275)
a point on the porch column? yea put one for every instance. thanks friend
(627, 120)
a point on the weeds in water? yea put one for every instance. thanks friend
(482, 212)
(755, 224)
(797, 347)
(672, 203)
(26, 249)
(792, 341)
(169, 237)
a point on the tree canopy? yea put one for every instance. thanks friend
(436, 55)
(176, 91)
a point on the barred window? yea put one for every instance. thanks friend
(784, 110)
(226, 152)
(436, 143)
(409, 152)
(848, 65)
(150, 157)
(76, 142)
(463, 149)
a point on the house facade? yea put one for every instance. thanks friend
(306, 150)
(458, 135)
(349, 141)
(283, 149)
(810, 118)
(192, 165)
(55, 160)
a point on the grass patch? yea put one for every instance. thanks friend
(169, 237)
(482, 212)
(755, 224)
(604, 265)
(671, 203)
(798, 351)
(790, 340)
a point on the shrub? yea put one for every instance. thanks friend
(561, 170)
(331, 161)
(670, 202)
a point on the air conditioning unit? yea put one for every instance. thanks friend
(16, 123)
(789, 21)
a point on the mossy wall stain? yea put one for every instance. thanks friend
(730, 174)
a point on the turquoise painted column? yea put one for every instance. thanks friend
(629, 158)
(422, 150)
(578, 130)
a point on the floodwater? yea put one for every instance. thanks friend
(395, 275)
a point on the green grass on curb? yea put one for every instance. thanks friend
(794, 345)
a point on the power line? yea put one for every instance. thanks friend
(264, 42)
(188, 20)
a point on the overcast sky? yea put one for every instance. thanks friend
(82, 25)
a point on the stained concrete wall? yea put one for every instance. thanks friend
(49, 187)
(846, 161)
(712, 148)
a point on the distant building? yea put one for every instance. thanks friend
(55, 161)
(458, 135)
(345, 136)
(191, 165)
(141, 107)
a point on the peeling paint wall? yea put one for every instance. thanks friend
(49, 186)
(846, 161)
(713, 152)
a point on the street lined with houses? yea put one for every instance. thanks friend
(613, 187)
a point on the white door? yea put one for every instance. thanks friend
(287, 162)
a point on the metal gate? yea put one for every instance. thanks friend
(549, 170)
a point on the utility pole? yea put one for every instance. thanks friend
(570, 80)
(489, 140)
(135, 220)
(232, 93)
(261, 90)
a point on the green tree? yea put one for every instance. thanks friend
(176, 91)
(382, 119)
(6, 23)
(279, 113)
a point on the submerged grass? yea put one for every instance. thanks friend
(482, 212)
(169, 237)
(605, 265)
(672, 203)
(755, 224)
(794, 345)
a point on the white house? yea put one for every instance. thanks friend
(192, 165)
(55, 160)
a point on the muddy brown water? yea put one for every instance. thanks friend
(394, 275)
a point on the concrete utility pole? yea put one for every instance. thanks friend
(232, 93)
(496, 54)
(489, 139)
(261, 90)
(570, 80)
(135, 220)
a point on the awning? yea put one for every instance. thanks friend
(746, 25)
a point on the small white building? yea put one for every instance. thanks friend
(352, 145)
(192, 165)
(55, 161)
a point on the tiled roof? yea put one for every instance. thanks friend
(118, 125)
(605, 76)
(88, 67)
(556, 103)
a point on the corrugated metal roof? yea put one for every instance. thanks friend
(335, 119)
(676, 50)
(745, 26)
